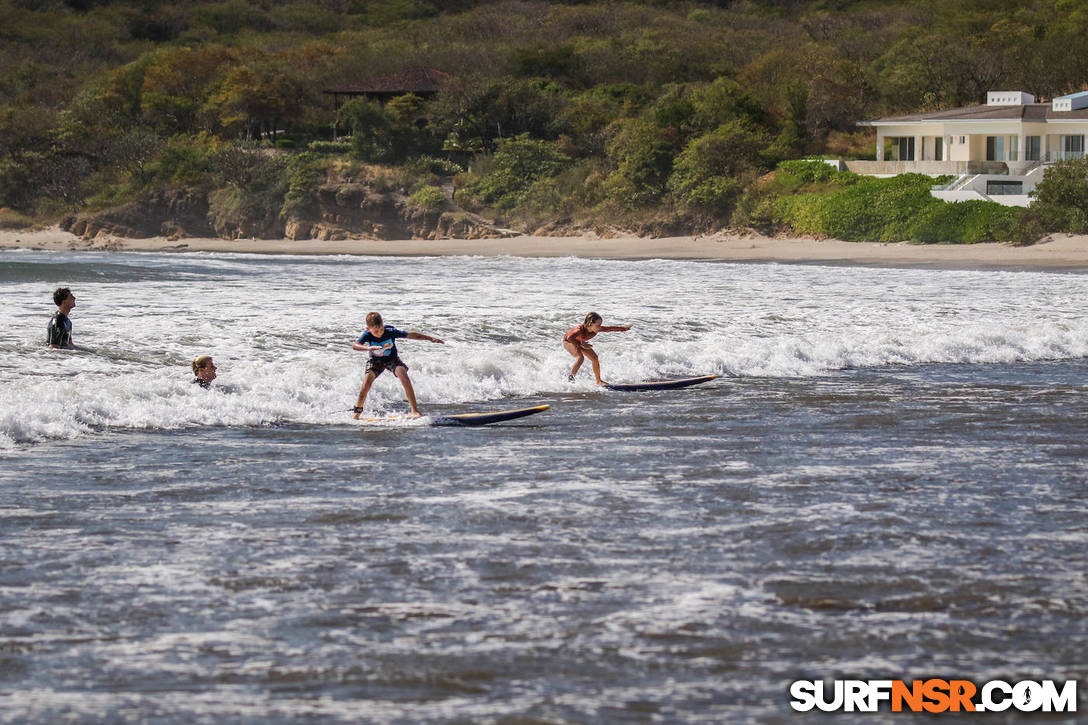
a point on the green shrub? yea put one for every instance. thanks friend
(329, 147)
(245, 167)
(707, 175)
(110, 195)
(988, 221)
(477, 113)
(554, 62)
(1028, 230)
(18, 180)
(965, 222)
(755, 208)
(813, 171)
(516, 165)
(305, 173)
(370, 129)
(183, 160)
(285, 143)
(1061, 199)
(434, 166)
(304, 17)
(428, 197)
(896, 209)
(231, 16)
(241, 208)
(11, 219)
(644, 155)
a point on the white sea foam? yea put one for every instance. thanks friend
(280, 329)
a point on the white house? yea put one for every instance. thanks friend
(997, 151)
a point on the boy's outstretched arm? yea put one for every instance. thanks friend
(421, 336)
(615, 328)
(365, 348)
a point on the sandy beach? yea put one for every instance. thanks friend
(1059, 252)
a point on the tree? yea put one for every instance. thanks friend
(644, 149)
(176, 87)
(369, 129)
(722, 101)
(712, 169)
(410, 132)
(929, 70)
(254, 99)
(643, 153)
(588, 115)
(474, 112)
(1061, 198)
(517, 164)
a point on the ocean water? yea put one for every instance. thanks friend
(887, 482)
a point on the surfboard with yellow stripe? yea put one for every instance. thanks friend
(467, 419)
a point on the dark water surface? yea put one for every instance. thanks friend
(660, 557)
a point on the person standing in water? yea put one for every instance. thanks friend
(576, 342)
(204, 370)
(59, 331)
(380, 341)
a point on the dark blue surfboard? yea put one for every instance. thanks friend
(487, 418)
(498, 416)
(661, 384)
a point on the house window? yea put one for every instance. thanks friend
(902, 148)
(938, 148)
(1014, 143)
(963, 140)
(1073, 147)
(995, 148)
(1032, 148)
(1002, 188)
(906, 148)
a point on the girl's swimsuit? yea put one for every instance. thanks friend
(578, 334)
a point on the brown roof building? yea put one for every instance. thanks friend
(423, 82)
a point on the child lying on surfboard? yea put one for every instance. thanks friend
(576, 342)
(380, 341)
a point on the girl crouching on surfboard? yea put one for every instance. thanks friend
(576, 342)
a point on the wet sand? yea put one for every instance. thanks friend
(1060, 252)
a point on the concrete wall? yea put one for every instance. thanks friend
(958, 195)
(932, 168)
(959, 151)
(1006, 199)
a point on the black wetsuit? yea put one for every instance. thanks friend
(59, 332)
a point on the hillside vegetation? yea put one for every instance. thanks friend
(652, 116)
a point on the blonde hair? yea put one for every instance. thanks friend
(200, 361)
(591, 318)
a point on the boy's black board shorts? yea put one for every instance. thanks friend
(378, 365)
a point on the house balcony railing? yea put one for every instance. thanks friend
(1053, 156)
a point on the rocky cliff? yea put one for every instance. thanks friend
(340, 209)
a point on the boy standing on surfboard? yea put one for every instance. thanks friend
(380, 341)
(576, 342)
